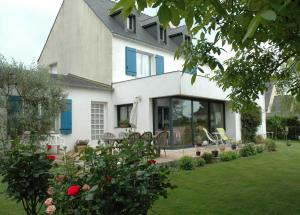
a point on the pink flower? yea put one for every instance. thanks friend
(86, 187)
(50, 191)
(50, 209)
(48, 202)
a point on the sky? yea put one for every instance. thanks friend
(25, 25)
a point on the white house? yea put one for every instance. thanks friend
(109, 64)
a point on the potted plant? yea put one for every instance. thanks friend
(215, 153)
(124, 123)
(233, 146)
(222, 148)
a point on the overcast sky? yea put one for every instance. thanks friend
(24, 27)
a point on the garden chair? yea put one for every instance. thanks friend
(108, 138)
(223, 137)
(210, 137)
(147, 137)
(162, 141)
(123, 135)
(134, 136)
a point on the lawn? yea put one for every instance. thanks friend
(268, 183)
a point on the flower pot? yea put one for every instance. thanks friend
(215, 153)
(198, 153)
(233, 147)
(124, 125)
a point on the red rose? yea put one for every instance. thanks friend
(73, 190)
(109, 178)
(150, 162)
(49, 147)
(51, 157)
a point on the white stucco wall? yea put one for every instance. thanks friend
(262, 129)
(118, 57)
(81, 113)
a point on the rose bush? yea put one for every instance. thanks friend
(26, 171)
(123, 182)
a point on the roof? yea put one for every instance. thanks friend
(71, 80)
(102, 8)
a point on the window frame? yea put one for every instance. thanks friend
(163, 34)
(150, 63)
(127, 112)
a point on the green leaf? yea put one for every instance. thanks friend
(193, 79)
(142, 4)
(268, 14)
(189, 19)
(164, 14)
(175, 16)
(252, 27)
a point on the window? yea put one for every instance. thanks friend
(131, 23)
(143, 64)
(163, 34)
(53, 68)
(97, 120)
(123, 112)
(187, 38)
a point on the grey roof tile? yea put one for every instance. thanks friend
(102, 10)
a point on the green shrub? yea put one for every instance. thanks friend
(248, 150)
(288, 144)
(208, 157)
(199, 162)
(121, 183)
(271, 145)
(228, 156)
(251, 119)
(277, 125)
(260, 148)
(259, 139)
(186, 163)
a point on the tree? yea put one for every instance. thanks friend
(32, 99)
(264, 35)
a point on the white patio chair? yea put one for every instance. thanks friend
(210, 137)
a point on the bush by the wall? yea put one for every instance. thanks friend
(277, 125)
(251, 119)
(208, 157)
(259, 139)
(199, 162)
(248, 150)
(186, 163)
(228, 156)
(271, 145)
(260, 148)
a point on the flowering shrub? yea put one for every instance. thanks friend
(125, 182)
(25, 169)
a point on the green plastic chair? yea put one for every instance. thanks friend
(223, 135)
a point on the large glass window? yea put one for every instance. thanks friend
(200, 120)
(182, 121)
(143, 64)
(161, 114)
(216, 116)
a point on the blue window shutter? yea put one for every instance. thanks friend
(14, 104)
(130, 61)
(159, 64)
(66, 118)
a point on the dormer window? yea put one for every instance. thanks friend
(187, 38)
(131, 23)
(163, 34)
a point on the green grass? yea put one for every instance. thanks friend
(268, 183)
